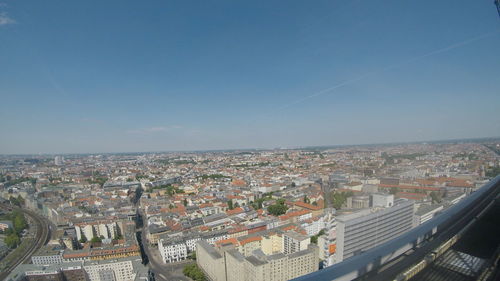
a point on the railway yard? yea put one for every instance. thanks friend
(37, 236)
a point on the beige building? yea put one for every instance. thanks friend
(229, 264)
(250, 244)
(211, 261)
(272, 244)
(108, 230)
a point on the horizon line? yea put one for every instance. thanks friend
(255, 148)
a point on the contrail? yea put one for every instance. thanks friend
(389, 67)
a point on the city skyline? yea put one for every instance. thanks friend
(121, 77)
(298, 147)
(249, 140)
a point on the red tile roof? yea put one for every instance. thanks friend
(307, 206)
(233, 241)
(234, 211)
(426, 188)
(250, 239)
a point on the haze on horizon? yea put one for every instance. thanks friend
(120, 76)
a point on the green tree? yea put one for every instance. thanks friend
(230, 204)
(306, 200)
(21, 200)
(83, 239)
(13, 200)
(314, 239)
(436, 197)
(192, 255)
(278, 209)
(19, 222)
(12, 240)
(9, 231)
(194, 272)
(185, 202)
(339, 198)
(96, 240)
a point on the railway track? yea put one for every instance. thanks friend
(42, 234)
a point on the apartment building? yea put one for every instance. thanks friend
(173, 249)
(229, 264)
(294, 242)
(108, 230)
(176, 248)
(126, 269)
(358, 232)
(314, 225)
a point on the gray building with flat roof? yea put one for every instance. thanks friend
(365, 229)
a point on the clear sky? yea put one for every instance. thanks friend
(117, 76)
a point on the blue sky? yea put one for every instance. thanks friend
(114, 76)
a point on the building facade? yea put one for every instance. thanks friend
(172, 250)
(360, 231)
(294, 242)
(228, 264)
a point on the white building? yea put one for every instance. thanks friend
(191, 243)
(58, 160)
(103, 231)
(294, 242)
(87, 231)
(110, 270)
(107, 230)
(314, 225)
(382, 200)
(213, 237)
(173, 249)
(211, 210)
(365, 229)
(327, 243)
(45, 258)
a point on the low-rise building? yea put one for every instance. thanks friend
(4, 225)
(49, 254)
(71, 271)
(126, 269)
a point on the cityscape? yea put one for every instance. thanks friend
(250, 140)
(225, 215)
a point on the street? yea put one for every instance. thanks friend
(162, 271)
